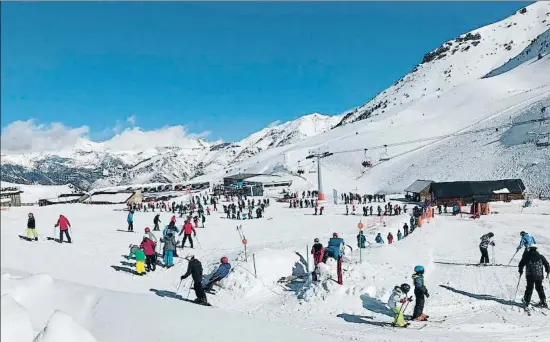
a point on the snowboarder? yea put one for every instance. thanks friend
(390, 238)
(361, 239)
(168, 250)
(140, 258)
(399, 295)
(336, 246)
(130, 220)
(483, 245)
(64, 225)
(379, 239)
(399, 235)
(148, 247)
(534, 274)
(194, 269)
(420, 291)
(156, 222)
(317, 250)
(525, 241)
(187, 230)
(221, 272)
(31, 227)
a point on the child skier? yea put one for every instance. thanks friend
(156, 222)
(399, 235)
(140, 258)
(536, 265)
(379, 239)
(420, 291)
(168, 250)
(148, 247)
(399, 295)
(317, 250)
(130, 220)
(221, 272)
(390, 238)
(483, 246)
(336, 246)
(31, 227)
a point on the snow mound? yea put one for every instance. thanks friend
(16, 323)
(62, 328)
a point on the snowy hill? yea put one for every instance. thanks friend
(468, 57)
(118, 162)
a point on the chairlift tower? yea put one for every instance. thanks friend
(319, 156)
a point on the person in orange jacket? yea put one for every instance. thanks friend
(186, 231)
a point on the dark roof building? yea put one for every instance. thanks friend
(477, 191)
(419, 191)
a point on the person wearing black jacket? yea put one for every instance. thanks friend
(534, 274)
(156, 222)
(194, 269)
(31, 227)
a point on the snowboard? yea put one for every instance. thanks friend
(125, 231)
(53, 239)
(23, 237)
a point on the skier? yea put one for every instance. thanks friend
(525, 241)
(187, 230)
(317, 250)
(420, 291)
(390, 238)
(64, 225)
(140, 258)
(148, 247)
(336, 246)
(130, 220)
(168, 250)
(194, 269)
(483, 245)
(534, 274)
(399, 235)
(150, 234)
(221, 272)
(379, 239)
(31, 227)
(156, 222)
(399, 295)
(361, 239)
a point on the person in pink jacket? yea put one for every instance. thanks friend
(64, 225)
(187, 230)
(148, 247)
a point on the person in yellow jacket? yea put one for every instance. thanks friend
(140, 258)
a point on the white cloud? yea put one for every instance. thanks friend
(274, 123)
(26, 136)
(131, 120)
(138, 139)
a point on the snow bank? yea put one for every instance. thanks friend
(16, 324)
(62, 328)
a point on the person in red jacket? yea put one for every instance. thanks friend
(148, 247)
(64, 225)
(187, 230)
(390, 238)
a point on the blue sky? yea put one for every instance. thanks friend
(227, 68)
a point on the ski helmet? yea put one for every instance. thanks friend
(147, 230)
(522, 233)
(30, 214)
(490, 234)
(334, 235)
(405, 288)
(419, 269)
(316, 240)
(224, 260)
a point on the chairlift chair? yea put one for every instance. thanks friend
(367, 162)
(384, 155)
(313, 169)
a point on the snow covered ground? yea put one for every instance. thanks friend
(88, 287)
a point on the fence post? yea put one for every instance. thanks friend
(307, 266)
(254, 261)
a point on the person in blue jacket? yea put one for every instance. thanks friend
(220, 273)
(130, 220)
(525, 241)
(336, 248)
(379, 239)
(361, 239)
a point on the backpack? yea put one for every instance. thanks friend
(535, 269)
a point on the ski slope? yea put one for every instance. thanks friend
(79, 281)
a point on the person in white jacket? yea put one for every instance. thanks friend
(397, 299)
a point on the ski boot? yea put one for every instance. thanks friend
(542, 304)
(422, 317)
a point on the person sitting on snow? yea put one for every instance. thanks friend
(379, 239)
(399, 295)
(221, 272)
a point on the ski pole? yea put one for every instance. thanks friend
(188, 292)
(178, 288)
(517, 288)
(513, 257)
(493, 251)
(196, 238)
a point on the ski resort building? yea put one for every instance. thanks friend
(10, 197)
(419, 191)
(477, 191)
(62, 199)
(124, 197)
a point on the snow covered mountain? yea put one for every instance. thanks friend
(99, 164)
(468, 57)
